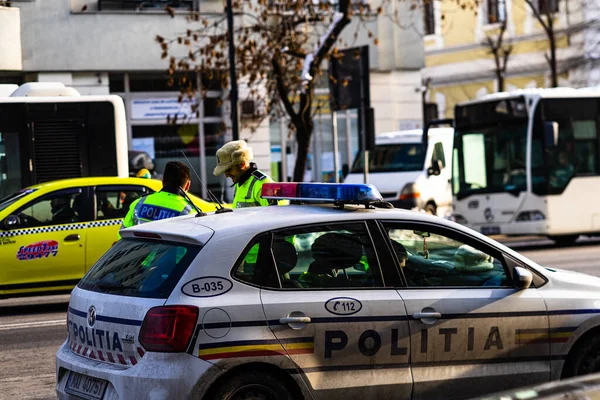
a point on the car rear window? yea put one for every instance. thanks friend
(140, 268)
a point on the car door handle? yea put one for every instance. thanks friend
(73, 238)
(427, 315)
(294, 320)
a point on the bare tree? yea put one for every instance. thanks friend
(501, 53)
(280, 49)
(542, 10)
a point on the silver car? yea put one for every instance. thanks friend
(325, 302)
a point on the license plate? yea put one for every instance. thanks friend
(85, 386)
(490, 230)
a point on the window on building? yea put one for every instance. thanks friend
(124, 5)
(547, 6)
(429, 15)
(496, 11)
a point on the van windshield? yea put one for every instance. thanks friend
(393, 158)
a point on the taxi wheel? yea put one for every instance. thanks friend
(586, 360)
(252, 386)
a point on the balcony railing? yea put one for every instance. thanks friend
(125, 5)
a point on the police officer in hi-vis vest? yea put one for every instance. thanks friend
(169, 202)
(234, 159)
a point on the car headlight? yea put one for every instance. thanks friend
(409, 191)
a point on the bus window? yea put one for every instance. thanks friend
(10, 163)
(576, 152)
(475, 168)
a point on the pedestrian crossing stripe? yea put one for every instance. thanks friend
(58, 228)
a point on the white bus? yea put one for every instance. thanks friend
(526, 163)
(49, 131)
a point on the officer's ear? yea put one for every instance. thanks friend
(187, 186)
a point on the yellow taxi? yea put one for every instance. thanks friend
(52, 233)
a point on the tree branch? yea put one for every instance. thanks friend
(313, 60)
(281, 88)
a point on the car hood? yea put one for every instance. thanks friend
(574, 279)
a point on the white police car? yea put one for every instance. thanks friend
(322, 301)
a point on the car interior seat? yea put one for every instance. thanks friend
(286, 257)
(334, 252)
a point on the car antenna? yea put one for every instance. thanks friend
(219, 205)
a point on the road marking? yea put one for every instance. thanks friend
(35, 324)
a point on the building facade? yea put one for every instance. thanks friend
(108, 46)
(459, 63)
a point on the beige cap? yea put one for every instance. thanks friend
(232, 153)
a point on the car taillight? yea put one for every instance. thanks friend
(168, 329)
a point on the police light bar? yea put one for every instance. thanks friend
(322, 192)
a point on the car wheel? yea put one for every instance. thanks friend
(251, 386)
(566, 240)
(586, 359)
(430, 209)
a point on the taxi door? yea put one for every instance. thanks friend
(334, 315)
(472, 332)
(111, 205)
(46, 249)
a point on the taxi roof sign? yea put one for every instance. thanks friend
(342, 193)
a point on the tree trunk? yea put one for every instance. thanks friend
(303, 135)
(500, 77)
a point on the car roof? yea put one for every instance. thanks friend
(103, 180)
(259, 219)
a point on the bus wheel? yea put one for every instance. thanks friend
(252, 385)
(566, 240)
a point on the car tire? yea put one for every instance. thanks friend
(585, 360)
(565, 240)
(430, 209)
(254, 385)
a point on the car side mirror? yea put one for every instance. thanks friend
(435, 169)
(523, 278)
(551, 133)
(12, 221)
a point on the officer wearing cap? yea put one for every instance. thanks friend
(169, 202)
(234, 159)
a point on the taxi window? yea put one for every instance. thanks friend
(140, 268)
(318, 257)
(428, 259)
(57, 208)
(113, 202)
(13, 198)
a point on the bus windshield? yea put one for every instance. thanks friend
(393, 158)
(490, 148)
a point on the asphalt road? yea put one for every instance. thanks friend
(32, 329)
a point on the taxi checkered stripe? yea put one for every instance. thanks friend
(57, 228)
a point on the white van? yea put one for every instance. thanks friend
(406, 174)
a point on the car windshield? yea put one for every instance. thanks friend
(13, 198)
(140, 268)
(490, 148)
(393, 158)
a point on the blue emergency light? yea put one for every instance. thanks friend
(322, 192)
